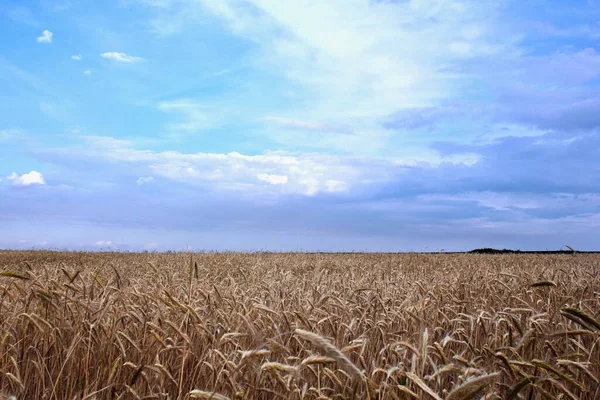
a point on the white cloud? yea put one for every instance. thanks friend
(46, 37)
(104, 243)
(28, 179)
(144, 179)
(87, 72)
(120, 57)
(286, 172)
(76, 57)
(273, 179)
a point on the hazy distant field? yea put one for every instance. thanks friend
(292, 326)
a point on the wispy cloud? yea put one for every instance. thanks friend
(46, 37)
(342, 51)
(347, 66)
(306, 125)
(77, 57)
(142, 180)
(10, 134)
(195, 116)
(572, 31)
(23, 15)
(120, 57)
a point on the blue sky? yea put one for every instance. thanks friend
(299, 125)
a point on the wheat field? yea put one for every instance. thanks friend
(298, 326)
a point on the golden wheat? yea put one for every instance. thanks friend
(298, 326)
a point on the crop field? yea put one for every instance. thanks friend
(299, 326)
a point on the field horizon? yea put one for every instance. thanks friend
(484, 250)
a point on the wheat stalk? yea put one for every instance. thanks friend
(331, 351)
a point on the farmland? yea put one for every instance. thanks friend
(299, 326)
